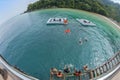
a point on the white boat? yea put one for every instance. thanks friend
(85, 22)
(57, 21)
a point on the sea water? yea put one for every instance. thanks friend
(34, 47)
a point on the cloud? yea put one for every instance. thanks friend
(116, 1)
(10, 8)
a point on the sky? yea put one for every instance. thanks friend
(116, 1)
(11, 8)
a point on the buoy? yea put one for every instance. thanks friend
(67, 31)
(59, 74)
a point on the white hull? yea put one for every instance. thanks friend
(86, 22)
(56, 21)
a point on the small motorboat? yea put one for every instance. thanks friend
(57, 21)
(86, 22)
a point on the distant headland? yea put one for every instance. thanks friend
(95, 6)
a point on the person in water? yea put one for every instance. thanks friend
(65, 21)
(59, 74)
(85, 68)
(67, 31)
(85, 39)
(80, 41)
(67, 69)
(77, 73)
(53, 71)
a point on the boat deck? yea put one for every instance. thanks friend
(8, 75)
(7, 72)
(117, 76)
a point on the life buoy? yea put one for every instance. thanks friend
(59, 75)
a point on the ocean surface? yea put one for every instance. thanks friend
(34, 47)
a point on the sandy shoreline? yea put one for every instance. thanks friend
(112, 22)
(108, 19)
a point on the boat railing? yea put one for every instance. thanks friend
(93, 74)
(105, 68)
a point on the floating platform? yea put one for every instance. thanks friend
(57, 21)
(86, 22)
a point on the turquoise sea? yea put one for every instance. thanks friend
(34, 47)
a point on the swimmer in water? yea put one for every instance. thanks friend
(85, 39)
(80, 41)
(67, 69)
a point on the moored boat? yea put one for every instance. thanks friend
(57, 21)
(86, 22)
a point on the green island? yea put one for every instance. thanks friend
(103, 7)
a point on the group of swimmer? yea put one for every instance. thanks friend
(83, 40)
(67, 69)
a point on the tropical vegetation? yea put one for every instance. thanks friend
(96, 6)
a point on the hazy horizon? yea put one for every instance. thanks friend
(11, 8)
(116, 1)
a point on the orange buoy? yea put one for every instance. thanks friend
(67, 31)
(59, 74)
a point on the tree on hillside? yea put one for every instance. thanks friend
(96, 6)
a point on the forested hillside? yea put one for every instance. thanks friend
(89, 5)
(113, 9)
(97, 6)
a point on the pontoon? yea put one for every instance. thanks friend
(85, 22)
(57, 21)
